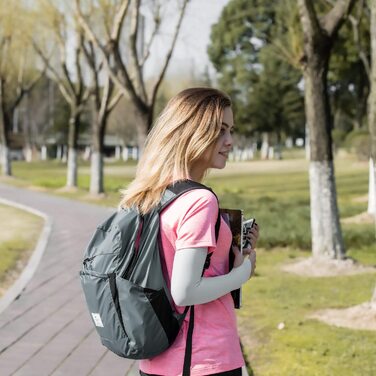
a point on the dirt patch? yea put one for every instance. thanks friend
(322, 267)
(362, 218)
(37, 188)
(67, 190)
(360, 317)
(360, 199)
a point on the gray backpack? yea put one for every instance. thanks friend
(124, 287)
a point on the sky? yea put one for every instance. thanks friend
(190, 56)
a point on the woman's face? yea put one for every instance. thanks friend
(224, 143)
(216, 156)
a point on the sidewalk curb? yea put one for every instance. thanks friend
(18, 286)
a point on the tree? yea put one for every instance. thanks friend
(103, 102)
(263, 87)
(319, 35)
(18, 72)
(372, 100)
(126, 65)
(59, 24)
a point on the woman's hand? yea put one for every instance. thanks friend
(252, 236)
(249, 251)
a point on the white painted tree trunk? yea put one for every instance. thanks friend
(87, 153)
(271, 152)
(265, 146)
(96, 173)
(135, 153)
(327, 238)
(5, 161)
(72, 168)
(28, 152)
(125, 154)
(64, 157)
(117, 153)
(43, 153)
(372, 188)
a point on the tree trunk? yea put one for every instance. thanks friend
(327, 238)
(265, 145)
(371, 188)
(72, 168)
(96, 173)
(4, 137)
(72, 151)
(96, 167)
(144, 124)
(6, 160)
(372, 106)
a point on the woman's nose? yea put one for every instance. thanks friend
(229, 140)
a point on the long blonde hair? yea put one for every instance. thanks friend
(186, 128)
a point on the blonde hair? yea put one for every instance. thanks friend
(186, 128)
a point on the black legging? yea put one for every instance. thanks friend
(233, 372)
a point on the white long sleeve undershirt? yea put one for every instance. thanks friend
(188, 287)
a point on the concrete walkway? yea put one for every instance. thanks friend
(47, 330)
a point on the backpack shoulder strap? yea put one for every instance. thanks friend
(180, 187)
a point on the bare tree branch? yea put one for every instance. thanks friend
(169, 54)
(60, 82)
(310, 22)
(22, 90)
(114, 101)
(112, 46)
(77, 55)
(133, 34)
(107, 92)
(119, 20)
(91, 60)
(332, 21)
(157, 23)
(63, 63)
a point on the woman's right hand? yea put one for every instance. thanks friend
(240, 257)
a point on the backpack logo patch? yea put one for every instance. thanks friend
(97, 320)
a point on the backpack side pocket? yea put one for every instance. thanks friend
(148, 318)
(98, 289)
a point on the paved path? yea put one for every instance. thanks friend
(47, 330)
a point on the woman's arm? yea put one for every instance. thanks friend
(188, 287)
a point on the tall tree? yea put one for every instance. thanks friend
(104, 100)
(264, 87)
(126, 64)
(65, 34)
(320, 33)
(18, 73)
(372, 100)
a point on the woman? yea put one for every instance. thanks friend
(193, 134)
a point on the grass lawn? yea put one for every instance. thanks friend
(277, 194)
(19, 234)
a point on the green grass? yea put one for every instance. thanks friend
(20, 232)
(277, 194)
(304, 347)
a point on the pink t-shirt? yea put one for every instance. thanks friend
(190, 222)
